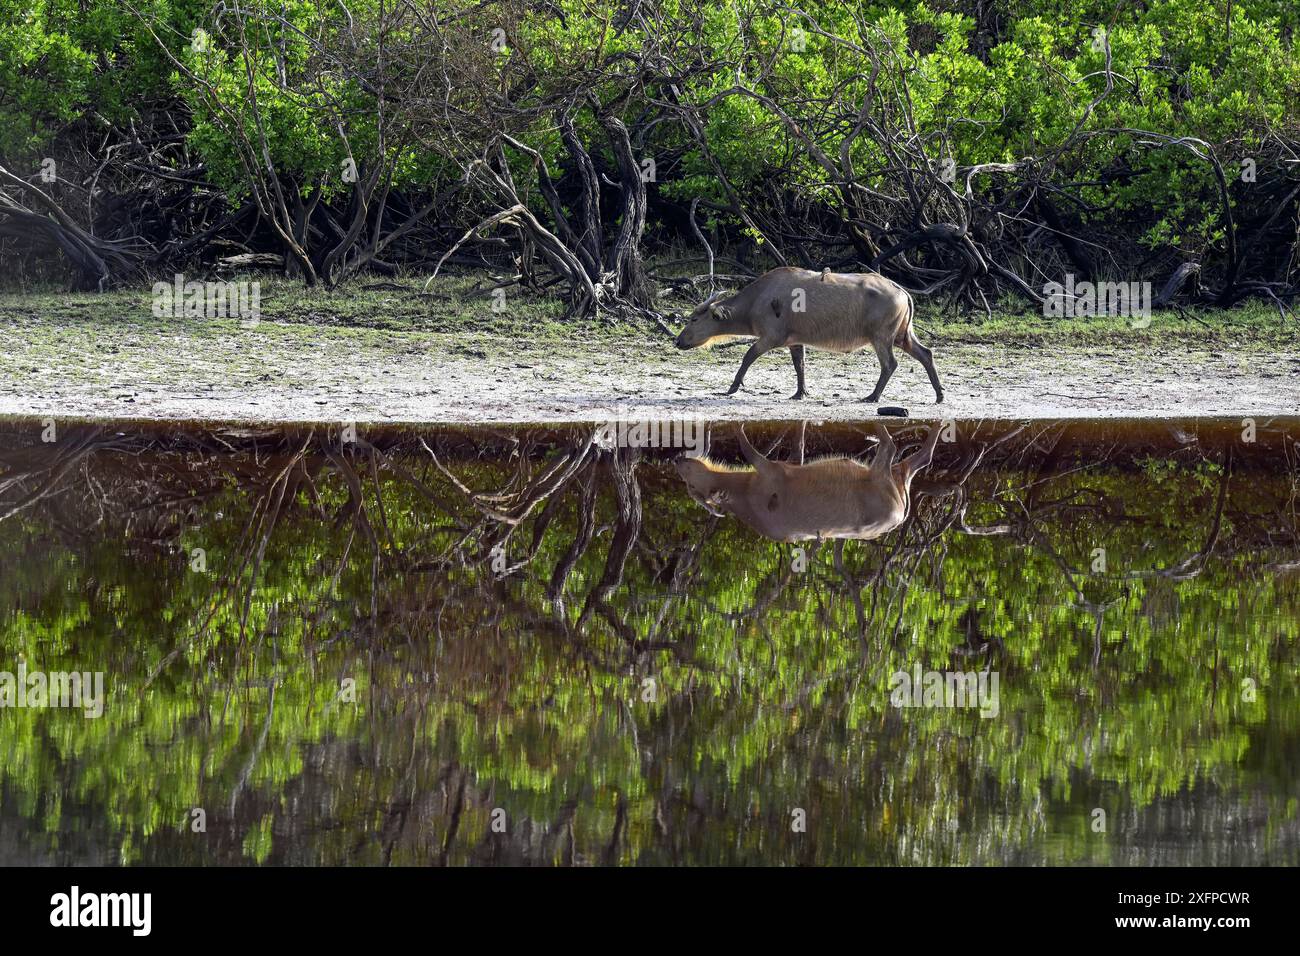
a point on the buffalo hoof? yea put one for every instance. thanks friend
(797, 396)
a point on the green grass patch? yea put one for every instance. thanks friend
(465, 304)
(1253, 325)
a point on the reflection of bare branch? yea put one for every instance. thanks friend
(518, 506)
(581, 540)
(627, 495)
(66, 459)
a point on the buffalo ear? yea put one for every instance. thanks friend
(721, 313)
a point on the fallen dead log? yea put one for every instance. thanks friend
(1175, 283)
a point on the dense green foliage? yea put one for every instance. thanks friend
(750, 107)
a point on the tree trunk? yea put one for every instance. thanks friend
(623, 258)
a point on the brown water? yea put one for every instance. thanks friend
(520, 646)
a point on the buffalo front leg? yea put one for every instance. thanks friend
(887, 365)
(755, 350)
(796, 353)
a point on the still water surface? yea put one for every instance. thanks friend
(503, 646)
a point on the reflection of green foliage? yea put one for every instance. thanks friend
(771, 688)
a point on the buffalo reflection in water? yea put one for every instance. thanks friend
(835, 497)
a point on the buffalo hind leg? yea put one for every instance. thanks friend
(907, 469)
(796, 353)
(887, 365)
(920, 459)
(755, 350)
(923, 355)
(885, 447)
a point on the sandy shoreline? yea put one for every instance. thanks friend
(279, 374)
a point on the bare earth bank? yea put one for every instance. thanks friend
(281, 373)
